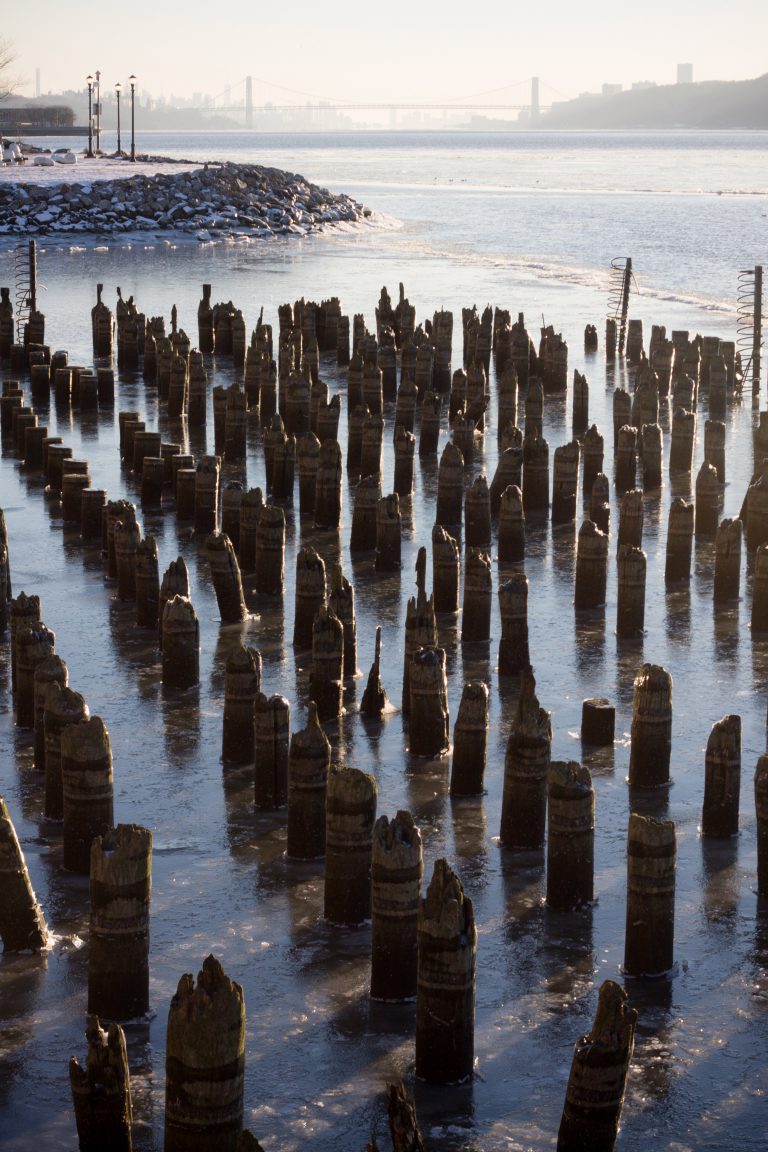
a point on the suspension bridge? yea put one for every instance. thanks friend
(247, 101)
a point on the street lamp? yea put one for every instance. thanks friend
(97, 93)
(118, 88)
(89, 81)
(132, 82)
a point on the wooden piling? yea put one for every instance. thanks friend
(759, 618)
(446, 563)
(597, 1080)
(524, 802)
(429, 430)
(24, 612)
(370, 449)
(271, 735)
(727, 561)
(651, 734)
(396, 876)
(707, 501)
(630, 606)
(565, 482)
(327, 664)
(598, 722)
(405, 451)
(367, 496)
(650, 925)
(679, 540)
(374, 699)
(511, 526)
(205, 1063)
(127, 537)
(722, 779)
(631, 519)
(535, 476)
(594, 452)
(86, 770)
(470, 738)
(310, 596)
(514, 656)
(270, 551)
(34, 645)
(207, 474)
(175, 583)
(309, 761)
(652, 453)
(22, 923)
(683, 439)
(225, 575)
(591, 567)
(307, 454)
(62, 708)
(478, 593)
(350, 816)
(450, 487)
(388, 534)
(428, 726)
(626, 458)
(118, 958)
(242, 685)
(570, 836)
(445, 997)
(181, 644)
(341, 600)
(101, 1091)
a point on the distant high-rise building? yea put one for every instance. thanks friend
(611, 89)
(37, 83)
(685, 73)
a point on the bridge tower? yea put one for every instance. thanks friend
(249, 102)
(535, 105)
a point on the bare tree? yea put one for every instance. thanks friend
(7, 57)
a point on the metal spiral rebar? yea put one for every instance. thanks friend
(749, 322)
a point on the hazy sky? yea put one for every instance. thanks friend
(424, 51)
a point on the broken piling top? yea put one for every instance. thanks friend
(22, 924)
(311, 739)
(122, 858)
(531, 720)
(615, 1021)
(398, 841)
(652, 691)
(206, 1022)
(445, 911)
(106, 1062)
(175, 580)
(245, 660)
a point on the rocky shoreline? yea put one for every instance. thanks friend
(207, 202)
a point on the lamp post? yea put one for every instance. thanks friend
(97, 93)
(118, 88)
(132, 82)
(89, 81)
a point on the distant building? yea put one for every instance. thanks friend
(611, 89)
(685, 73)
(15, 121)
(642, 85)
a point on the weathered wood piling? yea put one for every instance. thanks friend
(205, 1063)
(101, 1091)
(396, 874)
(118, 956)
(597, 1080)
(445, 997)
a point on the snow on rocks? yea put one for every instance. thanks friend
(210, 200)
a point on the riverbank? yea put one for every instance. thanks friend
(108, 196)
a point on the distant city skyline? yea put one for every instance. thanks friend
(345, 53)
